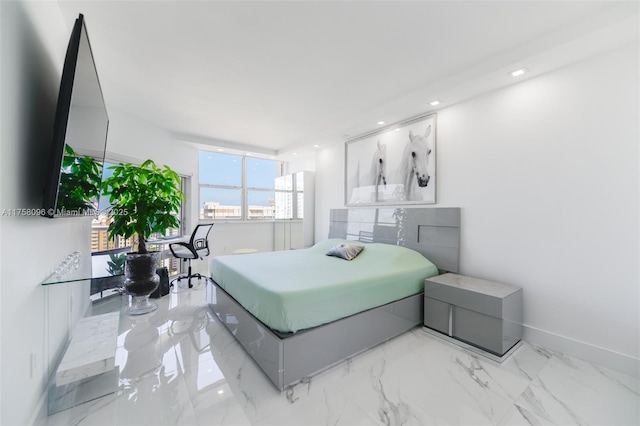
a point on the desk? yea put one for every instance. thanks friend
(160, 244)
(173, 265)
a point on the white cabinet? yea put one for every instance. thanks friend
(294, 210)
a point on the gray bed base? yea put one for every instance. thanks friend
(290, 358)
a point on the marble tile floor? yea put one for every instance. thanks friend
(179, 366)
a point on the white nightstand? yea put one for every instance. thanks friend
(480, 314)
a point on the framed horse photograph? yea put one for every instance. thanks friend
(393, 166)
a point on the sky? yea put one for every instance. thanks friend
(103, 203)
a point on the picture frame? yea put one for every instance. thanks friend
(393, 166)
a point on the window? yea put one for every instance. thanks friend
(236, 187)
(261, 176)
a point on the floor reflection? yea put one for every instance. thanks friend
(179, 365)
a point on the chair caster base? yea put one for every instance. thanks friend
(186, 277)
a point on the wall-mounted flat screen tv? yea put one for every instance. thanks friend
(80, 130)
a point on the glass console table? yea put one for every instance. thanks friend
(109, 264)
(82, 324)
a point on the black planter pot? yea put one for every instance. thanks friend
(141, 280)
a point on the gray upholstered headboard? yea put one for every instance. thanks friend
(434, 232)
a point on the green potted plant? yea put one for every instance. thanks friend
(144, 200)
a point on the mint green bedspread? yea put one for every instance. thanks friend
(298, 289)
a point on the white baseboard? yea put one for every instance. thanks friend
(597, 355)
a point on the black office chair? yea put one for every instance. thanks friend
(196, 248)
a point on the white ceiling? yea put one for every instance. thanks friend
(277, 77)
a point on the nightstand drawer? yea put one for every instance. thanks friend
(437, 315)
(480, 330)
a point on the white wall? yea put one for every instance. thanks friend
(304, 164)
(34, 40)
(546, 174)
(329, 186)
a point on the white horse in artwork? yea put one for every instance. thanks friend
(414, 164)
(376, 175)
(377, 172)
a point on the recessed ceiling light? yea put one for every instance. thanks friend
(380, 122)
(316, 146)
(397, 129)
(295, 153)
(434, 103)
(518, 72)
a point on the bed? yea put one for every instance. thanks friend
(320, 310)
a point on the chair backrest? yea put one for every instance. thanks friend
(199, 239)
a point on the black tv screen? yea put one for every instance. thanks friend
(79, 134)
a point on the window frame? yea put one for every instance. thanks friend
(244, 189)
